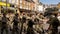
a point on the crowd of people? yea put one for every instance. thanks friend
(27, 23)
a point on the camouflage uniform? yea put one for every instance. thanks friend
(4, 24)
(15, 24)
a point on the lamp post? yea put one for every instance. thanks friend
(6, 5)
(0, 8)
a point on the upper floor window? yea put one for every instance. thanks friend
(5, 0)
(29, 0)
(0, 0)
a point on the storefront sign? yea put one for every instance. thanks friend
(4, 4)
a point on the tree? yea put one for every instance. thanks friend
(50, 11)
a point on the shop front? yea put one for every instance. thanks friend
(7, 8)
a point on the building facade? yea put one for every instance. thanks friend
(40, 8)
(58, 6)
(25, 4)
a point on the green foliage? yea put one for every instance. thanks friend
(52, 9)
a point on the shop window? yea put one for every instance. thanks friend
(12, 5)
(5, 0)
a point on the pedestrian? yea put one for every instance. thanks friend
(30, 27)
(4, 25)
(22, 22)
(45, 25)
(15, 24)
(54, 22)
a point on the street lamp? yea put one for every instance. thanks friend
(6, 5)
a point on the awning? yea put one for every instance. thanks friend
(4, 4)
(11, 8)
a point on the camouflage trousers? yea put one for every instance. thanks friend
(15, 29)
(4, 27)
